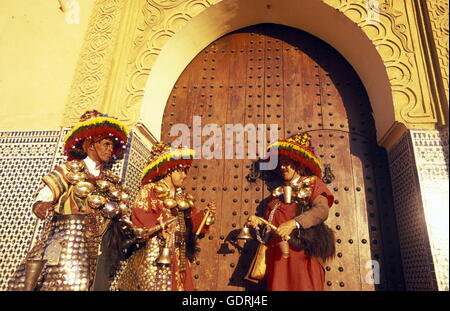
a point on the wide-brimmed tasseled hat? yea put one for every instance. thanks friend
(163, 159)
(95, 125)
(299, 149)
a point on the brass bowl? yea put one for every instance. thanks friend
(123, 208)
(75, 177)
(96, 201)
(183, 205)
(124, 197)
(110, 209)
(112, 177)
(307, 181)
(75, 166)
(304, 193)
(278, 191)
(161, 191)
(103, 185)
(114, 194)
(190, 197)
(83, 189)
(170, 203)
(139, 233)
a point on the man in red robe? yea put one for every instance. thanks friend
(168, 221)
(298, 247)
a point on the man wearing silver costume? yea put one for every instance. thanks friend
(79, 202)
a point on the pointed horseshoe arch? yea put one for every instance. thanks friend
(314, 17)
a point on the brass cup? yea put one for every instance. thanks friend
(83, 189)
(123, 208)
(124, 196)
(183, 205)
(190, 197)
(114, 194)
(75, 166)
(103, 185)
(170, 203)
(96, 201)
(287, 191)
(284, 247)
(161, 191)
(303, 194)
(75, 177)
(110, 210)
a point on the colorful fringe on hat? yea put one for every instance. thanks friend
(165, 158)
(97, 125)
(298, 148)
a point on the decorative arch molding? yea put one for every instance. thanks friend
(158, 38)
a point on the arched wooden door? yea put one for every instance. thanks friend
(271, 74)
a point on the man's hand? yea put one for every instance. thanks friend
(285, 229)
(254, 221)
(40, 209)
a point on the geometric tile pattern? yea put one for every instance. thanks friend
(418, 165)
(25, 157)
(431, 155)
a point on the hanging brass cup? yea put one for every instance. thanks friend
(284, 247)
(287, 194)
(75, 166)
(103, 185)
(183, 205)
(96, 201)
(110, 210)
(75, 177)
(170, 203)
(83, 189)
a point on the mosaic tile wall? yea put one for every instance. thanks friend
(419, 172)
(25, 157)
(431, 155)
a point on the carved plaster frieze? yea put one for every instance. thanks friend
(392, 28)
(93, 68)
(148, 24)
(438, 12)
(155, 23)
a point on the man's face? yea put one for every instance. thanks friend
(178, 176)
(104, 149)
(286, 169)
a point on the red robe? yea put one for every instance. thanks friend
(296, 273)
(147, 209)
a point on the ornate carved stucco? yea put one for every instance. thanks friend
(94, 64)
(148, 24)
(438, 11)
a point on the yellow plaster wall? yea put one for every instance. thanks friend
(39, 52)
